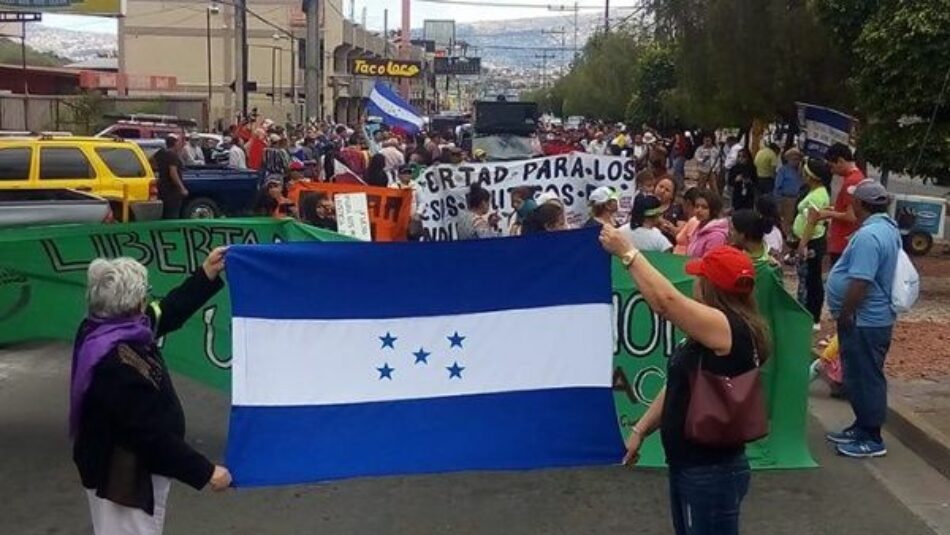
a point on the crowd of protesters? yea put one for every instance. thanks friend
(704, 195)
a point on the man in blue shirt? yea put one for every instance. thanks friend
(859, 297)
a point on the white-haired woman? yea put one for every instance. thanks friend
(125, 419)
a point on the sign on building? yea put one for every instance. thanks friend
(442, 32)
(457, 65)
(393, 68)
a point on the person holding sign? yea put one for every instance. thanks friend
(726, 336)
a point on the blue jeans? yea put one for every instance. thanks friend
(863, 350)
(705, 500)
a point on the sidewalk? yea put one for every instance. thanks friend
(918, 368)
(919, 415)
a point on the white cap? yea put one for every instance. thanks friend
(649, 138)
(546, 197)
(602, 195)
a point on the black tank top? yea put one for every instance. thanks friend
(685, 360)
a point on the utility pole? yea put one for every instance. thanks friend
(606, 16)
(385, 34)
(544, 57)
(312, 61)
(240, 63)
(293, 74)
(563, 33)
(26, 78)
(404, 87)
(575, 31)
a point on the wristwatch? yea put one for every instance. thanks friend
(629, 257)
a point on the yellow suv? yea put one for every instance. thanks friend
(113, 169)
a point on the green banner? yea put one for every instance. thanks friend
(42, 285)
(644, 340)
(43, 280)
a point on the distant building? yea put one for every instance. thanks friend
(170, 38)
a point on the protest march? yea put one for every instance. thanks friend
(449, 296)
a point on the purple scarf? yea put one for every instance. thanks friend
(96, 339)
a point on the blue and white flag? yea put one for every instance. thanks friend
(404, 358)
(394, 111)
(822, 127)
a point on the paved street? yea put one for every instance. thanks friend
(40, 492)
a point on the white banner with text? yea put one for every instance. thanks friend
(572, 177)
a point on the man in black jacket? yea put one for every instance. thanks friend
(126, 421)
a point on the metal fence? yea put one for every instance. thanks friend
(83, 114)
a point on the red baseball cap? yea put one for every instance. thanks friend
(727, 268)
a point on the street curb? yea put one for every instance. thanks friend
(921, 437)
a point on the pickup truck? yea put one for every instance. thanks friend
(23, 207)
(215, 191)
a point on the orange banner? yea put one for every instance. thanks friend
(389, 209)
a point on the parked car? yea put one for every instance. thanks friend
(113, 169)
(146, 126)
(22, 207)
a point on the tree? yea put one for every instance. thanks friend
(653, 77)
(748, 59)
(899, 79)
(599, 83)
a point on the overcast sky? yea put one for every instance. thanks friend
(421, 10)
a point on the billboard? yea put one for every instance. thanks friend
(457, 65)
(442, 32)
(105, 8)
(394, 68)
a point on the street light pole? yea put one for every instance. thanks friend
(210, 10)
(240, 64)
(293, 73)
(312, 76)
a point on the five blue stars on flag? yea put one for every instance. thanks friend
(421, 356)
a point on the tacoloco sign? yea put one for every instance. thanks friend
(386, 67)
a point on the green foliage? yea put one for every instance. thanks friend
(599, 85)
(11, 54)
(748, 59)
(653, 78)
(845, 19)
(86, 112)
(620, 75)
(902, 67)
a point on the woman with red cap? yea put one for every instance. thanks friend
(727, 337)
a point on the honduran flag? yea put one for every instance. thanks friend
(368, 359)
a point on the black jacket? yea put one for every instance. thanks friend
(132, 424)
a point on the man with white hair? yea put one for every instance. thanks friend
(125, 419)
